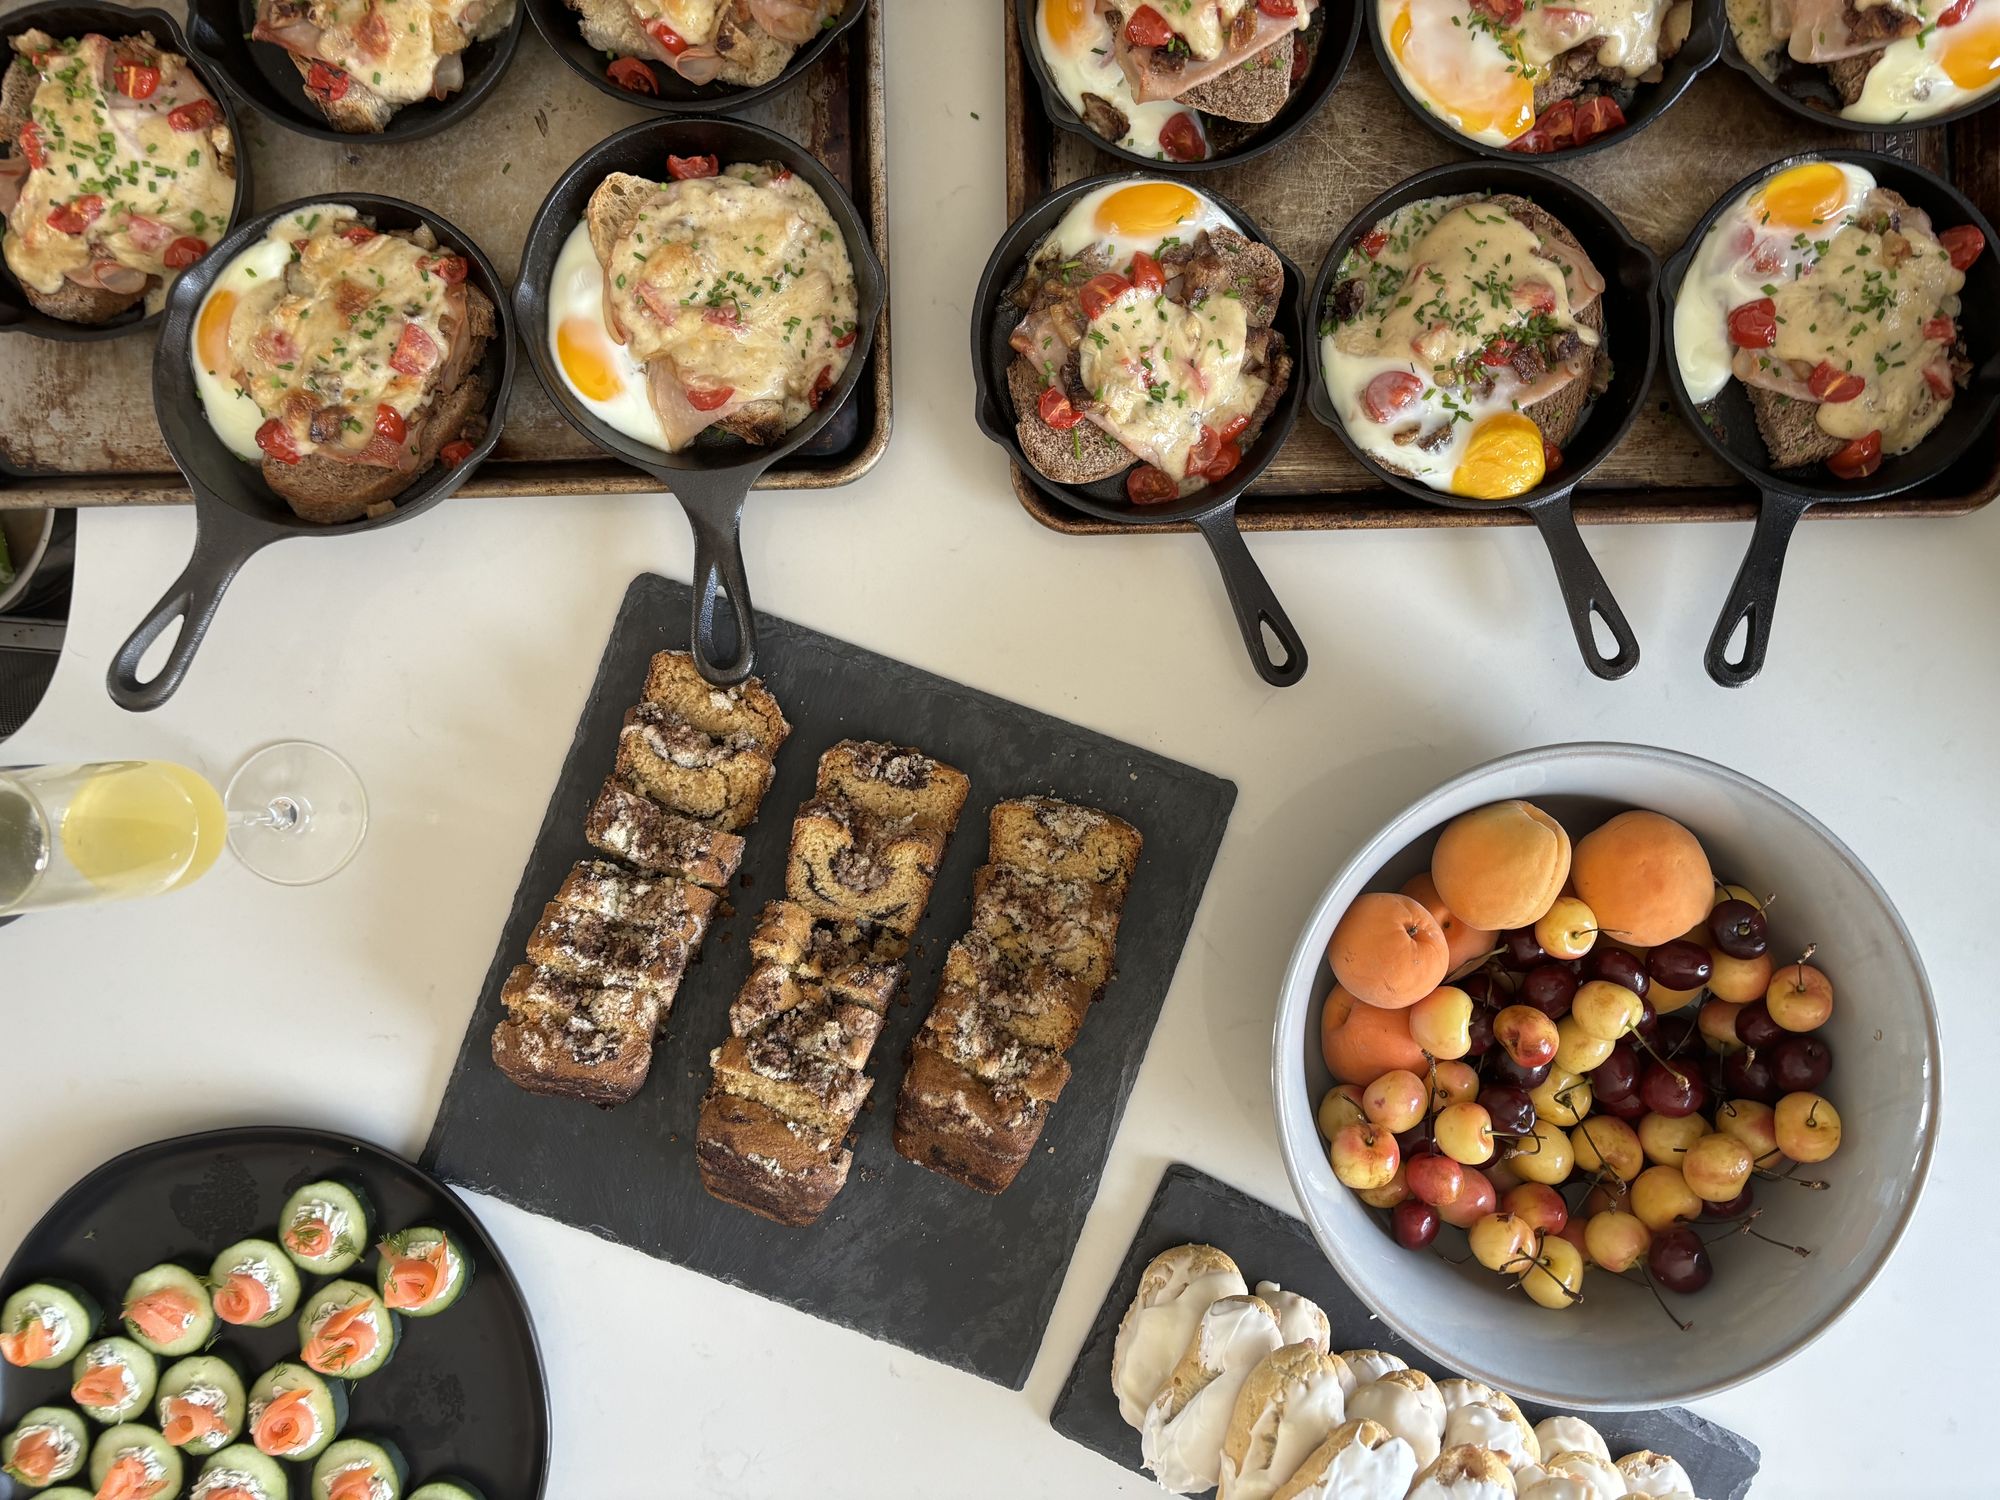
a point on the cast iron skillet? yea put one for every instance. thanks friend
(466, 1396)
(263, 76)
(17, 314)
(1649, 101)
(1805, 90)
(1632, 335)
(1729, 428)
(560, 27)
(1211, 510)
(1339, 30)
(236, 513)
(713, 478)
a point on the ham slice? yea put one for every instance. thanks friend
(1772, 374)
(13, 174)
(1582, 280)
(1824, 31)
(679, 421)
(1157, 73)
(795, 21)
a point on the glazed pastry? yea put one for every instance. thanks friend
(1300, 1319)
(1176, 1289)
(1570, 1435)
(1408, 1404)
(1181, 1439)
(1360, 1460)
(1574, 1476)
(1465, 1473)
(1654, 1474)
(1289, 1406)
(1497, 1424)
(1369, 1365)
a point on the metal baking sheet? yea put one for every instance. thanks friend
(76, 420)
(1365, 140)
(1191, 1207)
(903, 1255)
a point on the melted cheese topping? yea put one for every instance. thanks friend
(1202, 24)
(1164, 371)
(122, 182)
(318, 325)
(695, 22)
(394, 46)
(742, 282)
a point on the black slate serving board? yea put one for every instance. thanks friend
(1191, 1207)
(903, 1254)
(462, 1395)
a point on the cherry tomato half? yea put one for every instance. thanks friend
(822, 383)
(1859, 458)
(136, 80)
(1235, 427)
(1284, 10)
(76, 215)
(415, 351)
(184, 252)
(1146, 485)
(1148, 275)
(1958, 11)
(682, 168)
(1941, 331)
(1181, 139)
(455, 452)
(1754, 325)
(1373, 241)
(275, 438)
(1202, 454)
(450, 269)
(1597, 116)
(1498, 353)
(329, 83)
(711, 400)
(1100, 292)
(389, 424)
(1148, 28)
(198, 114)
(1054, 408)
(32, 147)
(632, 75)
(1834, 385)
(1962, 242)
(1226, 459)
(1388, 393)
(670, 40)
(1938, 378)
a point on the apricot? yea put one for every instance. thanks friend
(1645, 876)
(1502, 866)
(1388, 950)
(1361, 1042)
(1465, 945)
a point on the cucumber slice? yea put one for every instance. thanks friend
(422, 1244)
(446, 1489)
(243, 1469)
(176, 1310)
(359, 1351)
(47, 1446)
(135, 1362)
(141, 1451)
(326, 1401)
(383, 1462)
(65, 1313)
(193, 1389)
(324, 1227)
(250, 1270)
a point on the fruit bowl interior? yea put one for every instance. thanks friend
(1616, 1348)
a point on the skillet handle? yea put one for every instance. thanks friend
(716, 517)
(1585, 593)
(1250, 596)
(223, 542)
(1754, 595)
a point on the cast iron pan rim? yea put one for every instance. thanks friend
(1065, 118)
(440, 480)
(491, 1259)
(120, 20)
(1650, 101)
(402, 126)
(1792, 104)
(1440, 181)
(1003, 269)
(1772, 481)
(531, 300)
(559, 26)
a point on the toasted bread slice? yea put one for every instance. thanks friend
(1254, 91)
(615, 203)
(1559, 415)
(358, 111)
(1790, 429)
(1083, 455)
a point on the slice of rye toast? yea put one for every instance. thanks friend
(750, 55)
(1790, 429)
(1254, 91)
(358, 111)
(745, 711)
(1559, 415)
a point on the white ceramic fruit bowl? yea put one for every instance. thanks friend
(1616, 1349)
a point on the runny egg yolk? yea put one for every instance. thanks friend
(1068, 23)
(1147, 210)
(1495, 95)
(211, 334)
(1503, 458)
(1803, 197)
(1972, 51)
(585, 359)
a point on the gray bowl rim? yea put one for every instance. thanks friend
(1302, 971)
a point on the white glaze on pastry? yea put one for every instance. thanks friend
(1654, 1474)
(1407, 1403)
(1181, 1440)
(1176, 1289)
(1300, 1319)
(1570, 1435)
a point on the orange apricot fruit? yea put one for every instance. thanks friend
(1465, 945)
(1388, 950)
(1361, 1042)
(1645, 877)
(1501, 866)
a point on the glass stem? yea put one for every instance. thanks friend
(285, 814)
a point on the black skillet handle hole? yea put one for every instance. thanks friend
(1275, 650)
(1736, 655)
(1602, 635)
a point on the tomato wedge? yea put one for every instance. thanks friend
(1938, 378)
(632, 75)
(710, 400)
(450, 269)
(1148, 28)
(1388, 393)
(355, 234)
(1100, 292)
(415, 351)
(329, 83)
(1235, 427)
(1225, 463)
(136, 80)
(455, 452)
(1148, 275)
(846, 340)
(1834, 385)
(1859, 458)
(1181, 139)
(1941, 331)
(275, 438)
(76, 215)
(1754, 325)
(389, 423)
(668, 38)
(32, 147)
(682, 168)
(184, 252)
(1373, 241)
(1962, 242)
(1599, 115)
(1146, 485)
(196, 115)
(1054, 408)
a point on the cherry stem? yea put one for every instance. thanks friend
(1672, 1316)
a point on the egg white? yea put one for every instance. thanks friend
(1721, 277)
(1095, 70)
(1078, 230)
(1470, 58)
(233, 415)
(576, 290)
(1910, 81)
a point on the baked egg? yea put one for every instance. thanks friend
(1940, 68)
(1077, 48)
(601, 371)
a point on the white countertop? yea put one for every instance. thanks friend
(448, 659)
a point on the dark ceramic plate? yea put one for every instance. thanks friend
(673, 94)
(1339, 30)
(17, 314)
(1649, 100)
(263, 76)
(463, 1394)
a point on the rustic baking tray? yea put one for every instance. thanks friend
(1365, 140)
(76, 420)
